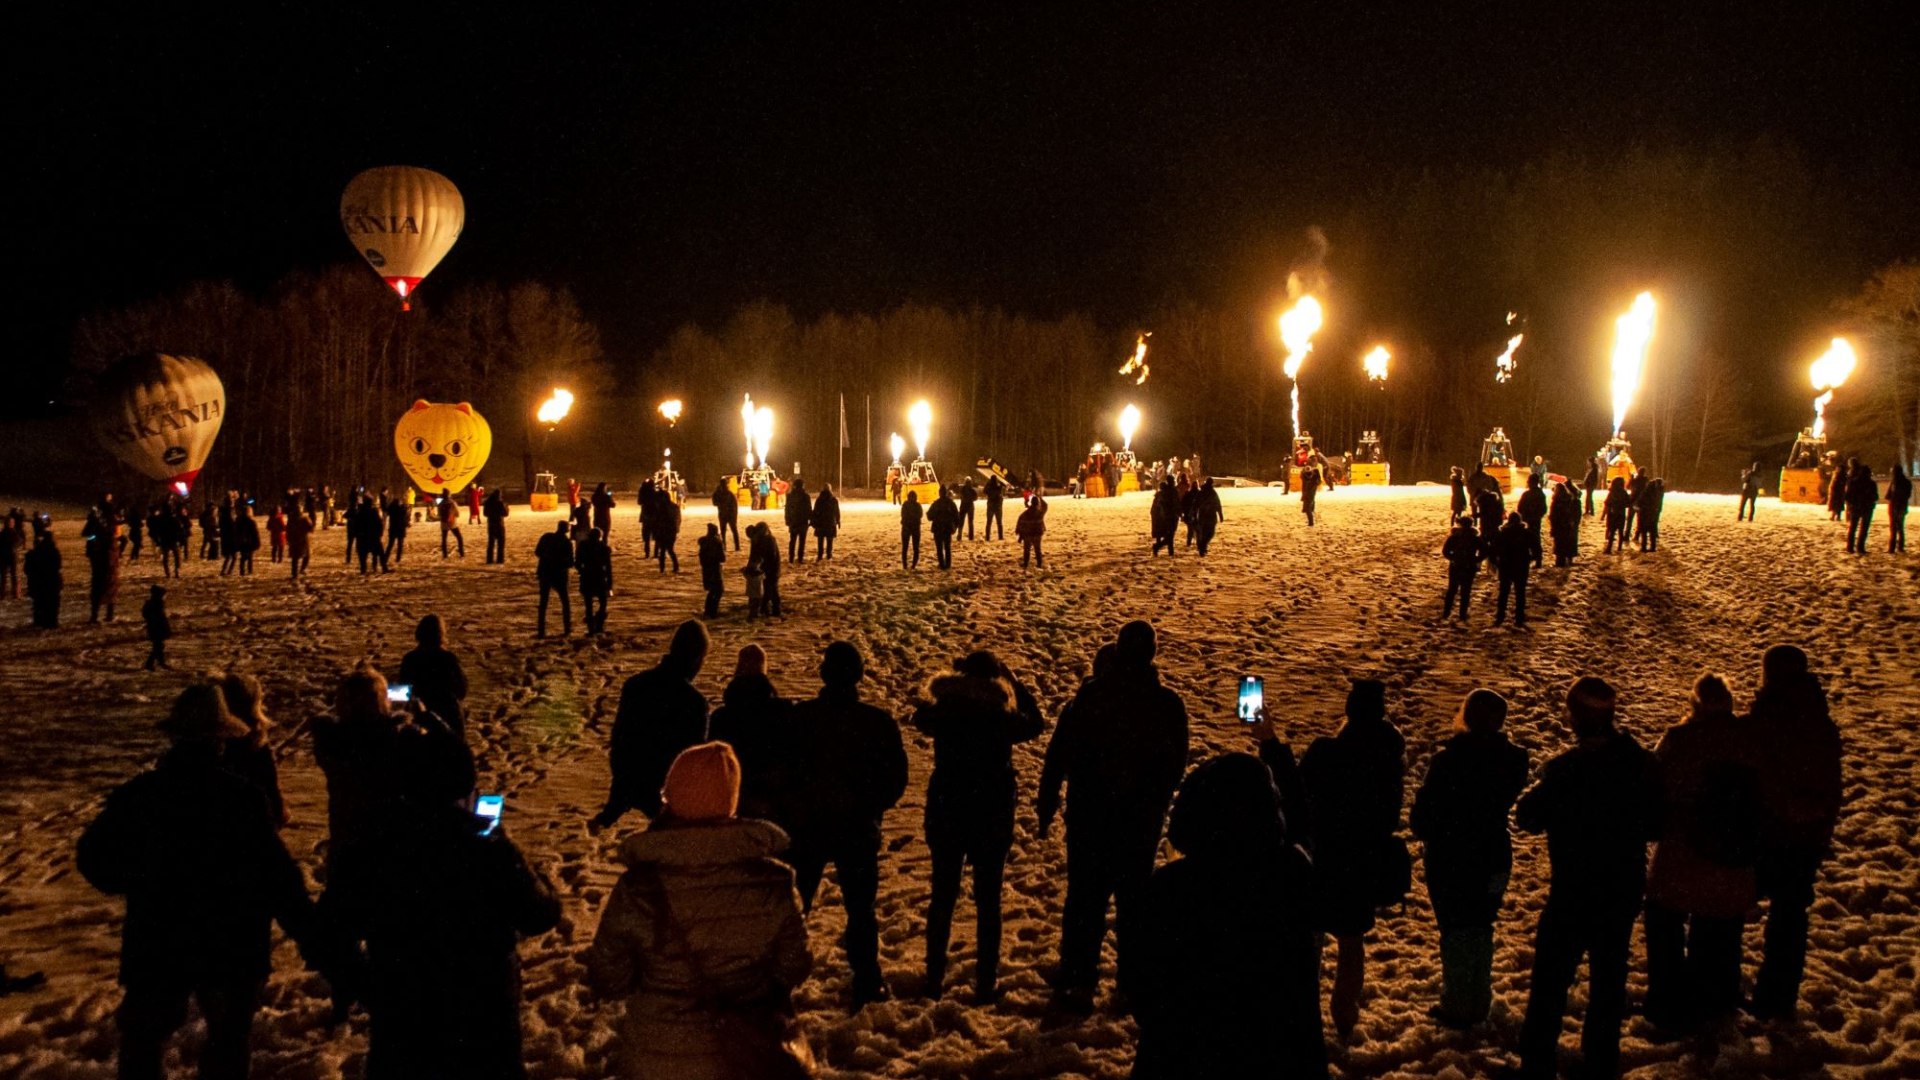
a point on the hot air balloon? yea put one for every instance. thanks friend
(403, 221)
(442, 447)
(159, 414)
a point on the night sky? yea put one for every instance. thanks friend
(669, 163)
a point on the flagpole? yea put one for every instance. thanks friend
(869, 451)
(840, 473)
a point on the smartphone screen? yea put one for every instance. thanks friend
(399, 693)
(487, 808)
(1253, 691)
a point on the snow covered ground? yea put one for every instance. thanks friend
(1356, 595)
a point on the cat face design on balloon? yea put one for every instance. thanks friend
(442, 447)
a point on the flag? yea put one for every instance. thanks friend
(844, 440)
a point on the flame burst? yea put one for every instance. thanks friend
(898, 445)
(1828, 373)
(1129, 423)
(1138, 361)
(1632, 333)
(1375, 363)
(762, 433)
(671, 410)
(1297, 327)
(1503, 364)
(746, 421)
(920, 421)
(554, 409)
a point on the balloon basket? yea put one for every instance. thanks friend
(1372, 472)
(1129, 481)
(1801, 486)
(927, 492)
(1096, 488)
(543, 502)
(1621, 469)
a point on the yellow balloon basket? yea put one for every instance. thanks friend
(1622, 468)
(1096, 487)
(926, 492)
(1369, 473)
(1801, 486)
(542, 502)
(1129, 481)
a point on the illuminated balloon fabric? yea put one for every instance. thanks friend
(403, 221)
(159, 414)
(442, 447)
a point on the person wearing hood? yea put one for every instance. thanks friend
(1600, 804)
(1532, 506)
(1862, 495)
(1460, 814)
(1355, 782)
(434, 672)
(1563, 519)
(703, 936)
(1646, 518)
(1223, 994)
(1899, 495)
(1119, 749)
(1463, 551)
(943, 518)
(712, 550)
(1208, 514)
(910, 515)
(763, 550)
(442, 903)
(660, 715)
(726, 510)
(799, 514)
(41, 568)
(845, 767)
(825, 521)
(1164, 515)
(1515, 548)
(1616, 511)
(194, 850)
(756, 721)
(1030, 528)
(1801, 783)
(593, 558)
(975, 719)
(1457, 503)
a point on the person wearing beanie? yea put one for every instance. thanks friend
(660, 715)
(439, 682)
(1355, 782)
(1460, 814)
(704, 936)
(843, 767)
(1600, 804)
(1119, 748)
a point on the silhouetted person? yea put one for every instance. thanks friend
(1837, 485)
(1164, 517)
(439, 682)
(1592, 482)
(602, 504)
(1119, 748)
(996, 496)
(103, 568)
(1457, 498)
(1208, 514)
(449, 513)
(726, 508)
(845, 768)
(1647, 508)
(967, 496)
(1750, 481)
(299, 543)
(1799, 756)
(1563, 521)
(1464, 552)
(1600, 805)
(910, 515)
(1355, 782)
(1532, 506)
(13, 541)
(943, 518)
(158, 626)
(1460, 814)
(1513, 556)
(365, 525)
(1899, 495)
(1635, 486)
(1030, 528)
(665, 524)
(1221, 994)
(764, 551)
(1310, 480)
(553, 564)
(660, 715)
(1615, 512)
(41, 568)
(399, 518)
(495, 509)
(975, 719)
(251, 756)
(712, 550)
(757, 722)
(825, 521)
(1863, 494)
(799, 516)
(593, 561)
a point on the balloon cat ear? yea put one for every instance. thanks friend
(420, 404)
(465, 408)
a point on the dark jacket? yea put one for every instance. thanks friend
(154, 614)
(1704, 863)
(713, 555)
(1863, 493)
(1355, 782)
(594, 561)
(1899, 493)
(1120, 747)
(1464, 550)
(799, 508)
(1532, 506)
(1460, 814)
(845, 766)
(943, 516)
(1799, 757)
(826, 514)
(553, 557)
(359, 758)
(439, 683)
(1600, 805)
(765, 551)
(1513, 550)
(705, 918)
(251, 758)
(442, 910)
(725, 504)
(1206, 508)
(1165, 512)
(758, 723)
(910, 514)
(195, 853)
(975, 723)
(660, 715)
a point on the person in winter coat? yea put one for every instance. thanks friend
(1863, 494)
(1899, 495)
(647, 498)
(476, 499)
(1164, 515)
(996, 495)
(666, 531)
(1310, 479)
(763, 550)
(1355, 783)
(1119, 748)
(726, 509)
(1616, 511)
(553, 562)
(1457, 481)
(365, 526)
(1222, 994)
(844, 768)
(1702, 881)
(1563, 519)
(496, 511)
(250, 757)
(910, 515)
(602, 506)
(799, 518)
(943, 518)
(1533, 510)
(449, 512)
(1799, 758)
(1750, 480)
(712, 551)
(399, 519)
(299, 543)
(1463, 551)
(13, 540)
(968, 495)
(1635, 486)
(1592, 482)
(757, 722)
(1837, 488)
(246, 531)
(277, 534)
(158, 626)
(1515, 549)
(1646, 517)
(975, 720)
(825, 521)
(1489, 512)
(103, 568)
(660, 714)
(1031, 530)
(194, 851)
(1600, 804)
(1208, 514)
(704, 936)
(439, 682)
(41, 568)
(355, 750)
(1460, 814)
(441, 903)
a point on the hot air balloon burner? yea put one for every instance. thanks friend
(1617, 456)
(1808, 470)
(1369, 462)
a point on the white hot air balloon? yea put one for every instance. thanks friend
(403, 221)
(159, 414)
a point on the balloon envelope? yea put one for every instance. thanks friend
(159, 414)
(403, 221)
(442, 447)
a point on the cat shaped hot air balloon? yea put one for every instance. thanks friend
(442, 447)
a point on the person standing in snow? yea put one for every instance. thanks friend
(1031, 530)
(967, 496)
(1309, 489)
(399, 518)
(1592, 482)
(602, 506)
(1164, 517)
(1899, 495)
(593, 561)
(1513, 555)
(1563, 520)
(943, 518)
(439, 682)
(41, 568)
(158, 626)
(552, 564)
(666, 531)
(826, 522)
(1750, 481)
(660, 714)
(763, 550)
(996, 496)
(495, 509)
(1862, 495)
(299, 543)
(103, 565)
(713, 555)
(910, 514)
(1464, 552)
(1616, 511)
(799, 517)
(726, 509)
(1532, 506)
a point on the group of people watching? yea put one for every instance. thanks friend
(1853, 495)
(1181, 501)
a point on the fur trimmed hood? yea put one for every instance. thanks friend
(953, 688)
